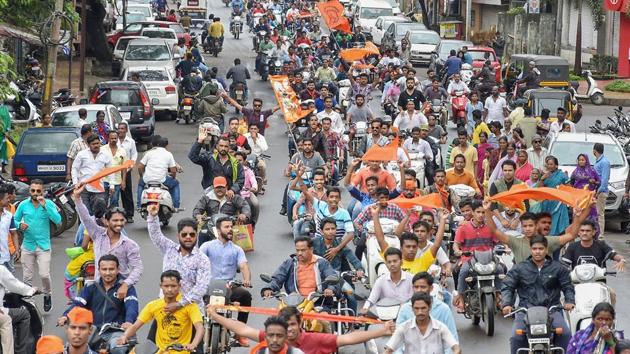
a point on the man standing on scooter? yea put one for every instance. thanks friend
(538, 281)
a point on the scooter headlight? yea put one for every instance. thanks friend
(538, 329)
(483, 269)
(585, 274)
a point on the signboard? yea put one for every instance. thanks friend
(450, 30)
(193, 2)
(533, 6)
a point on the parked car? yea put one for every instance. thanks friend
(160, 86)
(119, 51)
(134, 29)
(396, 31)
(381, 25)
(564, 146)
(132, 100)
(367, 11)
(421, 44)
(132, 17)
(443, 50)
(395, 6)
(479, 57)
(150, 52)
(68, 116)
(167, 34)
(145, 9)
(41, 153)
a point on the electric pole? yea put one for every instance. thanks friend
(83, 45)
(51, 65)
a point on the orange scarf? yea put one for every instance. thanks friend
(263, 345)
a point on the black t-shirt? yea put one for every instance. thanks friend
(576, 254)
(416, 96)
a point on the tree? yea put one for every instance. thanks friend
(597, 14)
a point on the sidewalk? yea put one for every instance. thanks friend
(61, 77)
(610, 98)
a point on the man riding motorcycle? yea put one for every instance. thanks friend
(216, 201)
(216, 30)
(213, 105)
(239, 75)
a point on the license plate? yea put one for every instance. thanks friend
(486, 277)
(51, 168)
(153, 92)
(217, 300)
(187, 108)
(125, 115)
(239, 92)
(63, 199)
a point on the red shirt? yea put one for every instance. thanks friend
(474, 238)
(312, 343)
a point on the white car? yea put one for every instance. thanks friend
(367, 11)
(160, 86)
(68, 116)
(421, 45)
(150, 52)
(382, 23)
(119, 52)
(167, 34)
(132, 17)
(145, 9)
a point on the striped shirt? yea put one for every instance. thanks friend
(474, 238)
(341, 216)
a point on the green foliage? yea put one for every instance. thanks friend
(25, 13)
(604, 64)
(597, 11)
(618, 86)
(7, 68)
(515, 11)
(574, 77)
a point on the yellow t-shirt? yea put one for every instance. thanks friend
(420, 264)
(171, 328)
(216, 29)
(470, 154)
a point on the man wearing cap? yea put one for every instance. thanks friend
(47, 345)
(78, 331)
(537, 153)
(216, 202)
(556, 126)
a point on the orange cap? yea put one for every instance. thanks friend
(219, 181)
(49, 345)
(79, 315)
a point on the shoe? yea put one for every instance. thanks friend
(177, 210)
(283, 210)
(243, 341)
(130, 220)
(47, 303)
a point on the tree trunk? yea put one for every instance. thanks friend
(425, 15)
(559, 11)
(96, 36)
(577, 66)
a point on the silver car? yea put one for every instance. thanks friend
(150, 52)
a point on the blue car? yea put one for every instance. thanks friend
(41, 154)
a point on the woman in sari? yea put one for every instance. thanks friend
(584, 176)
(498, 170)
(600, 336)
(552, 178)
(483, 151)
(523, 167)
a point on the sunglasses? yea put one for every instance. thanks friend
(537, 141)
(187, 234)
(257, 105)
(36, 190)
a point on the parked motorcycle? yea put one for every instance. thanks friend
(58, 193)
(64, 97)
(538, 329)
(21, 108)
(157, 193)
(592, 92)
(216, 338)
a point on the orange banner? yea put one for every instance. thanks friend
(305, 315)
(431, 201)
(353, 54)
(95, 181)
(287, 99)
(384, 153)
(514, 198)
(332, 13)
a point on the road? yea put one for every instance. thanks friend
(273, 239)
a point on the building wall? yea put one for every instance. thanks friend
(589, 34)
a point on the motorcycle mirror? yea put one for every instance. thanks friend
(331, 279)
(265, 277)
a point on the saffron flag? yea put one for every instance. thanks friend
(353, 54)
(431, 201)
(382, 153)
(332, 13)
(95, 181)
(287, 99)
(514, 198)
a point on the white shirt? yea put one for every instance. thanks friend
(9, 283)
(81, 122)
(157, 161)
(406, 122)
(385, 288)
(538, 161)
(495, 109)
(117, 160)
(421, 146)
(434, 341)
(556, 127)
(259, 145)
(387, 60)
(457, 86)
(86, 165)
(337, 124)
(5, 232)
(130, 147)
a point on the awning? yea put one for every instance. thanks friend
(13, 32)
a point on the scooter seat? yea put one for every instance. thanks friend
(155, 185)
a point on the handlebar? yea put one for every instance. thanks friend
(523, 309)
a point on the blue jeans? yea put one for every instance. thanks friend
(171, 183)
(557, 321)
(299, 227)
(112, 196)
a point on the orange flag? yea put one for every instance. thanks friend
(432, 201)
(287, 99)
(385, 153)
(353, 54)
(514, 198)
(95, 181)
(332, 13)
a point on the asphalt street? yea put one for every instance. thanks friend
(273, 239)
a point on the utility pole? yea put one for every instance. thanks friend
(468, 19)
(83, 45)
(124, 14)
(51, 65)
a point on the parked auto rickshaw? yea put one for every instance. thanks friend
(554, 71)
(199, 17)
(539, 99)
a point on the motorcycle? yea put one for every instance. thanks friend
(98, 344)
(372, 261)
(64, 97)
(539, 331)
(466, 73)
(236, 27)
(186, 107)
(265, 62)
(157, 193)
(437, 108)
(418, 162)
(21, 108)
(592, 92)
(213, 130)
(458, 104)
(360, 130)
(13, 300)
(58, 193)
(480, 297)
(260, 35)
(216, 338)
(238, 94)
(253, 159)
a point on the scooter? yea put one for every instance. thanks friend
(458, 104)
(12, 300)
(418, 162)
(437, 108)
(21, 109)
(344, 94)
(466, 73)
(593, 92)
(589, 291)
(372, 261)
(216, 338)
(540, 334)
(186, 107)
(157, 193)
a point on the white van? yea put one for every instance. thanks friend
(366, 12)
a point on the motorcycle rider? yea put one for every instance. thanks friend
(213, 104)
(258, 145)
(457, 84)
(436, 92)
(328, 112)
(410, 118)
(185, 66)
(264, 48)
(79, 331)
(362, 87)
(411, 93)
(326, 73)
(309, 93)
(375, 137)
(216, 31)
(360, 111)
(395, 285)
(452, 65)
(538, 281)
(86, 164)
(487, 79)
(416, 144)
(239, 75)
(217, 201)
(158, 165)
(531, 79)
(100, 298)
(225, 259)
(20, 320)
(219, 163)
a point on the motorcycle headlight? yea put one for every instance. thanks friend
(585, 274)
(538, 329)
(484, 269)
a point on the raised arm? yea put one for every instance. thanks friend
(234, 326)
(578, 217)
(402, 226)
(501, 236)
(444, 214)
(92, 227)
(374, 209)
(155, 233)
(357, 337)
